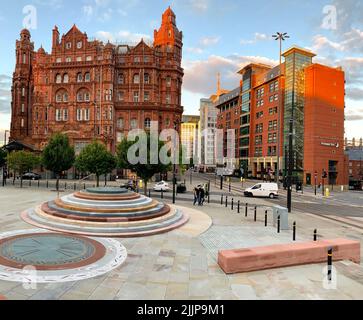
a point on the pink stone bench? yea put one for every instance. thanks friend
(284, 255)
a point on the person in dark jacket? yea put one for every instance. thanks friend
(202, 196)
(196, 195)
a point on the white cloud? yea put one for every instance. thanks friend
(5, 94)
(199, 74)
(121, 36)
(209, 41)
(88, 10)
(257, 38)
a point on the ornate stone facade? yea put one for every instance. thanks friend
(91, 90)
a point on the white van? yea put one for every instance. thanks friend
(270, 190)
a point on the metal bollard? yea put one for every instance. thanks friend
(208, 197)
(226, 201)
(315, 235)
(278, 224)
(266, 218)
(221, 200)
(74, 186)
(330, 263)
(38, 184)
(238, 206)
(65, 186)
(47, 184)
(162, 194)
(246, 211)
(149, 193)
(84, 186)
(294, 231)
(232, 204)
(255, 217)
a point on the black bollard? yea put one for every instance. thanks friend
(238, 206)
(208, 197)
(266, 218)
(255, 216)
(38, 184)
(315, 235)
(226, 201)
(84, 186)
(162, 194)
(330, 263)
(149, 193)
(65, 186)
(47, 184)
(294, 231)
(74, 186)
(246, 211)
(278, 224)
(232, 204)
(221, 200)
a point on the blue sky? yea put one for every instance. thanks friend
(219, 36)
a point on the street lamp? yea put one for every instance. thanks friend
(279, 36)
(174, 164)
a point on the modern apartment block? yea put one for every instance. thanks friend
(312, 97)
(190, 137)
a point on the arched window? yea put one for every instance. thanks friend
(87, 97)
(61, 96)
(147, 123)
(146, 78)
(66, 78)
(133, 124)
(87, 77)
(136, 78)
(168, 81)
(79, 77)
(121, 79)
(58, 78)
(65, 97)
(83, 95)
(120, 123)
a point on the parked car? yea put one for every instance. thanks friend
(161, 186)
(270, 190)
(181, 188)
(31, 176)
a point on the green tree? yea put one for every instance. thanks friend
(96, 159)
(22, 162)
(144, 171)
(58, 155)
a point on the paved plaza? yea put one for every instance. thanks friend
(182, 264)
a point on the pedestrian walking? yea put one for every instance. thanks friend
(196, 196)
(202, 196)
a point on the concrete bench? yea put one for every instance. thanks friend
(284, 255)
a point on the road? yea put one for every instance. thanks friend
(344, 207)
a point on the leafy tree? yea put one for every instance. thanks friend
(22, 162)
(96, 159)
(144, 171)
(58, 155)
(3, 155)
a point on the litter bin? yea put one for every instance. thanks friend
(299, 186)
(284, 217)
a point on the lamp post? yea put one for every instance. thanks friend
(174, 164)
(291, 166)
(279, 36)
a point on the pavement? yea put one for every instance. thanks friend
(182, 264)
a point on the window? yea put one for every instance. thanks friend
(79, 59)
(120, 123)
(259, 128)
(272, 151)
(79, 77)
(66, 78)
(87, 97)
(22, 108)
(58, 97)
(79, 97)
(133, 124)
(147, 123)
(137, 59)
(22, 123)
(58, 60)
(259, 115)
(24, 58)
(110, 114)
(87, 77)
(168, 81)
(86, 114)
(258, 140)
(168, 98)
(272, 138)
(68, 45)
(136, 78)
(58, 115)
(65, 97)
(146, 96)
(276, 97)
(120, 96)
(271, 98)
(146, 78)
(146, 59)
(272, 125)
(89, 58)
(79, 115)
(120, 78)
(272, 111)
(65, 115)
(136, 96)
(79, 44)
(58, 78)
(68, 59)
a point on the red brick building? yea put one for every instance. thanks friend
(91, 90)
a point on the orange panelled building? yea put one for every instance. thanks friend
(313, 96)
(91, 90)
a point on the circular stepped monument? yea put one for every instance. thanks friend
(106, 212)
